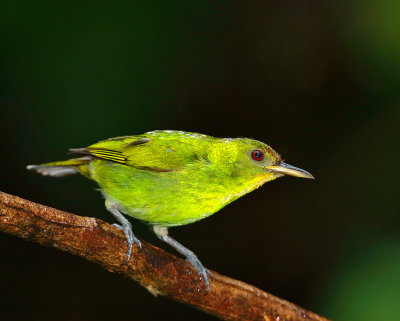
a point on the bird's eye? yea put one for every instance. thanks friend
(257, 155)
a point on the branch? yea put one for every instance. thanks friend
(157, 271)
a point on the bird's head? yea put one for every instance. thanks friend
(258, 159)
(254, 160)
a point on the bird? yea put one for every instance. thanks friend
(170, 178)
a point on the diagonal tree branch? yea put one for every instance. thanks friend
(159, 272)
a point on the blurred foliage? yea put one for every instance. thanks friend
(317, 80)
(365, 284)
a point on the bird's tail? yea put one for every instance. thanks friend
(63, 168)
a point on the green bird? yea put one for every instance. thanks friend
(172, 178)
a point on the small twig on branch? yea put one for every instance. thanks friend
(159, 272)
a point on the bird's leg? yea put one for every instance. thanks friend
(125, 226)
(162, 234)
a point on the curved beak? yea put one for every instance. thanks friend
(287, 169)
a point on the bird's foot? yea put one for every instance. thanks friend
(162, 233)
(130, 238)
(201, 270)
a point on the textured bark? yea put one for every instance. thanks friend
(159, 272)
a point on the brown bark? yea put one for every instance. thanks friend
(159, 272)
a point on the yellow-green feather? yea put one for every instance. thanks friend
(173, 178)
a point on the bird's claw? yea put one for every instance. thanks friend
(131, 239)
(209, 274)
(201, 270)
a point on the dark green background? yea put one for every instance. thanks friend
(317, 80)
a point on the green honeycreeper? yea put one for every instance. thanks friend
(171, 178)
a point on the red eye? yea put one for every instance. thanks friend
(257, 155)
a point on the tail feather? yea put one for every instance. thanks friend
(62, 168)
(81, 151)
(55, 171)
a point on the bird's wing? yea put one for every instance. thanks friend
(155, 154)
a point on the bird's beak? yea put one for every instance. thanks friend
(287, 169)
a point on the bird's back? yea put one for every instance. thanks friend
(162, 177)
